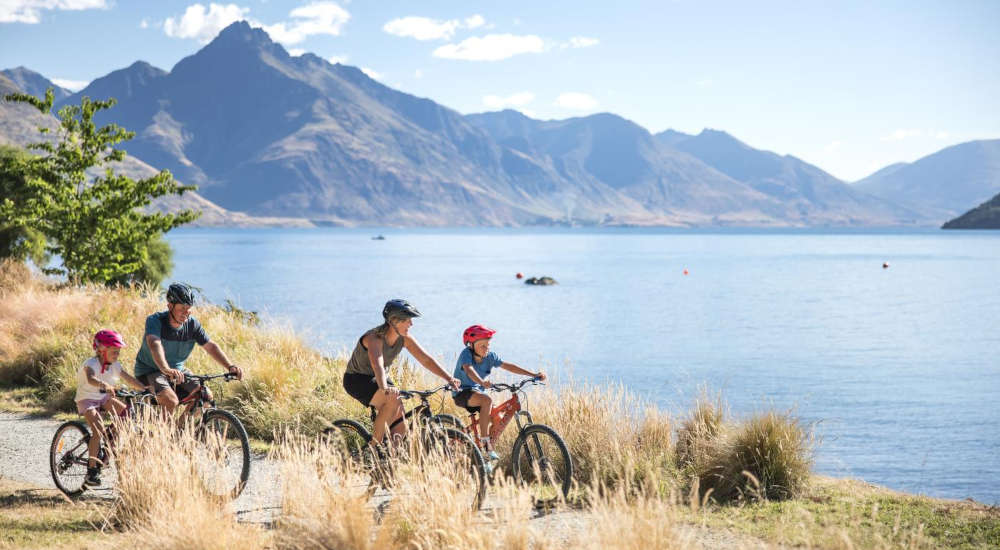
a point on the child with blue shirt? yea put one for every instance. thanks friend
(474, 364)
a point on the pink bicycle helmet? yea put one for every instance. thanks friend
(476, 332)
(108, 338)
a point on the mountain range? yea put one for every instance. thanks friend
(270, 134)
(944, 184)
(19, 125)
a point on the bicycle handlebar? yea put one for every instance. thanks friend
(199, 377)
(407, 394)
(515, 387)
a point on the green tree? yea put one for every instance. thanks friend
(17, 241)
(96, 227)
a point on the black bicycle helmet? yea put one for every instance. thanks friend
(399, 308)
(180, 293)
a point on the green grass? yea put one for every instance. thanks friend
(838, 513)
(42, 518)
(22, 400)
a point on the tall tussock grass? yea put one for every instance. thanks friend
(766, 456)
(163, 491)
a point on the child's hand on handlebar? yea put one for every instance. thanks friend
(487, 384)
(540, 375)
(454, 383)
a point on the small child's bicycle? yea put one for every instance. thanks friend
(69, 452)
(226, 447)
(539, 458)
(435, 438)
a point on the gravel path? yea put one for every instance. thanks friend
(24, 447)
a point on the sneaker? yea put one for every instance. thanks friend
(492, 456)
(93, 478)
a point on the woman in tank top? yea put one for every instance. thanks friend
(365, 378)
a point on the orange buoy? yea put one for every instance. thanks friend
(685, 272)
(520, 275)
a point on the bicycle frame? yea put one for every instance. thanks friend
(500, 416)
(423, 410)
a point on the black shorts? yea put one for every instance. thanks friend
(462, 400)
(362, 387)
(157, 382)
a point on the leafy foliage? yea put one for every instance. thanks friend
(17, 241)
(96, 227)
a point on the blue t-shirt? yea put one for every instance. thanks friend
(177, 343)
(483, 369)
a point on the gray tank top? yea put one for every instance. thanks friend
(359, 363)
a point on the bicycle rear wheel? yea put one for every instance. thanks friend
(457, 447)
(225, 457)
(349, 438)
(542, 462)
(68, 457)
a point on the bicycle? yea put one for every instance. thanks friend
(436, 438)
(539, 457)
(69, 467)
(222, 434)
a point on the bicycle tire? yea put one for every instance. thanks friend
(234, 440)
(63, 459)
(351, 437)
(541, 460)
(458, 446)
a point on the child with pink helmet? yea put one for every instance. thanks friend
(474, 364)
(95, 391)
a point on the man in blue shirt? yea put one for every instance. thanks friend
(167, 342)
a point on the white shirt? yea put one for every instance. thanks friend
(84, 390)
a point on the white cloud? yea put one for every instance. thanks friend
(144, 24)
(337, 59)
(418, 74)
(519, 99)
(425, 28)
(492, 47)
(295, 52)
(203, 24)
(72, 85)
(372, 73)
(28, 11)
(583, 42)
(474, 22)
(312, 19)
(576, 101)
(901, 134)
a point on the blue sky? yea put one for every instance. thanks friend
(849, 86)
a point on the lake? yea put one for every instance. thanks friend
(898, 367)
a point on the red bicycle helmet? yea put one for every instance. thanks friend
(108, 338)
(476, 332)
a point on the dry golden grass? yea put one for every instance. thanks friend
(163, 497)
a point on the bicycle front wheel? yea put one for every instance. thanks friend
(68, 457)
(224, 460)
(542, 462)
(457, 447)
